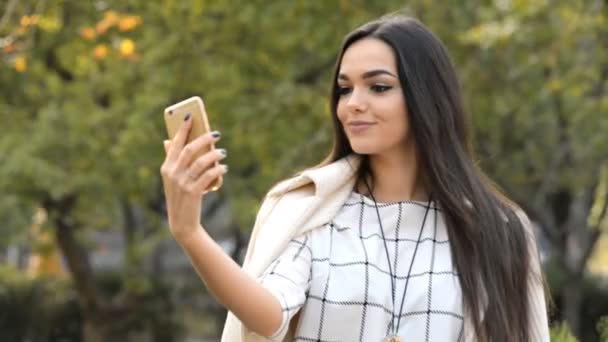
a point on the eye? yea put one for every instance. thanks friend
(343, 90)
(380, 88)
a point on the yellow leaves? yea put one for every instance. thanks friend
(129, 23)
(122, 23)
(27, 20)
(102, 27)
(554, 85)
(45, 258)
(110, 19)
(127, 48)
(88, 33)
(20, 64)
(10, 48)
(110, 16)
(49, 23)
(100, 52)
(490, 33)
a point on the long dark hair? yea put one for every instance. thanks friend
(490, 245)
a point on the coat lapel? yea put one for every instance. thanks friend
(291, 208)
(297, 205)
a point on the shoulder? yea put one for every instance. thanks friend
(321, 179)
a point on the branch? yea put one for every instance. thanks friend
(599, 208)
(52, 63)
(75, 255)
(546, 223)
(10, 7)
(588, 247)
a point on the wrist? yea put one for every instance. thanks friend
(193, 236)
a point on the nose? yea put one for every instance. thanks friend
(356, 102)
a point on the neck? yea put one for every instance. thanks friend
(396, 177)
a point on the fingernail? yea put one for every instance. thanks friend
(226, 168)
(187, 117)
(223, 151)
(215, 134)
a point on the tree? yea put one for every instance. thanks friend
(539, 100)
(84, 85)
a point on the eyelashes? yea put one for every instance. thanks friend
(379, 88)
(343, 90)
(376, 88)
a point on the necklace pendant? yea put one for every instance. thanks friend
(393, 338)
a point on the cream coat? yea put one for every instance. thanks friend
(306, 202)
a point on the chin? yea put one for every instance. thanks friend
(364, 148)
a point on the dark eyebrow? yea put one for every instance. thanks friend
(369, 74)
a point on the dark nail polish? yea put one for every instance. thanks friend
(187, 117)
(223, 151)
(215, 134)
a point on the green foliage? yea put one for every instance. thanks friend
(83, 97)
(37, 308)
(562, 333)
(602, 329)
(85, 123)
(45, 308)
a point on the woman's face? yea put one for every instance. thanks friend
(371, 106)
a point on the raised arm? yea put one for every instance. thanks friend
(186, 179)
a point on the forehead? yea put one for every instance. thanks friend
(367, 54)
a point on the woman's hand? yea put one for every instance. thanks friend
(186, 178)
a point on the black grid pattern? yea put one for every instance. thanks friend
(338, 276)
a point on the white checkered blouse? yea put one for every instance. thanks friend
(338, 276)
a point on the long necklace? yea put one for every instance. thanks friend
(393, 337)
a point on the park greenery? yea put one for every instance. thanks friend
(84, 84)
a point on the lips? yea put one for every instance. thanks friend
(359, 126)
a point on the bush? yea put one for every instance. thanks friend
(602, 329)
(561, 333)
(47, 309)
(37, 309)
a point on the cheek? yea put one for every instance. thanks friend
(340, 112)
(395, 123)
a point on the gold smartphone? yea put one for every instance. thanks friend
(174, 118)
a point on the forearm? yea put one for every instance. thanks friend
(255, 306)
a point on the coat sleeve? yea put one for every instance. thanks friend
(234, 330)
(288, 279)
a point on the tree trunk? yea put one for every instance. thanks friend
(572, 297)
(79, 267)
(92, 333)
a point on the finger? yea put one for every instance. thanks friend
(206, 161)
(179, 140)
(191, 150)
(167, 145)
(205, 181)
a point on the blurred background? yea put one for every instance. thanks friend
(84, 245)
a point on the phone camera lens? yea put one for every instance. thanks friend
(170, 112)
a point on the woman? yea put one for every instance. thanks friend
(396, 236)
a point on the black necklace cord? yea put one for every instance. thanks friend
(392, 327)
(388, 260)
(413, 257)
